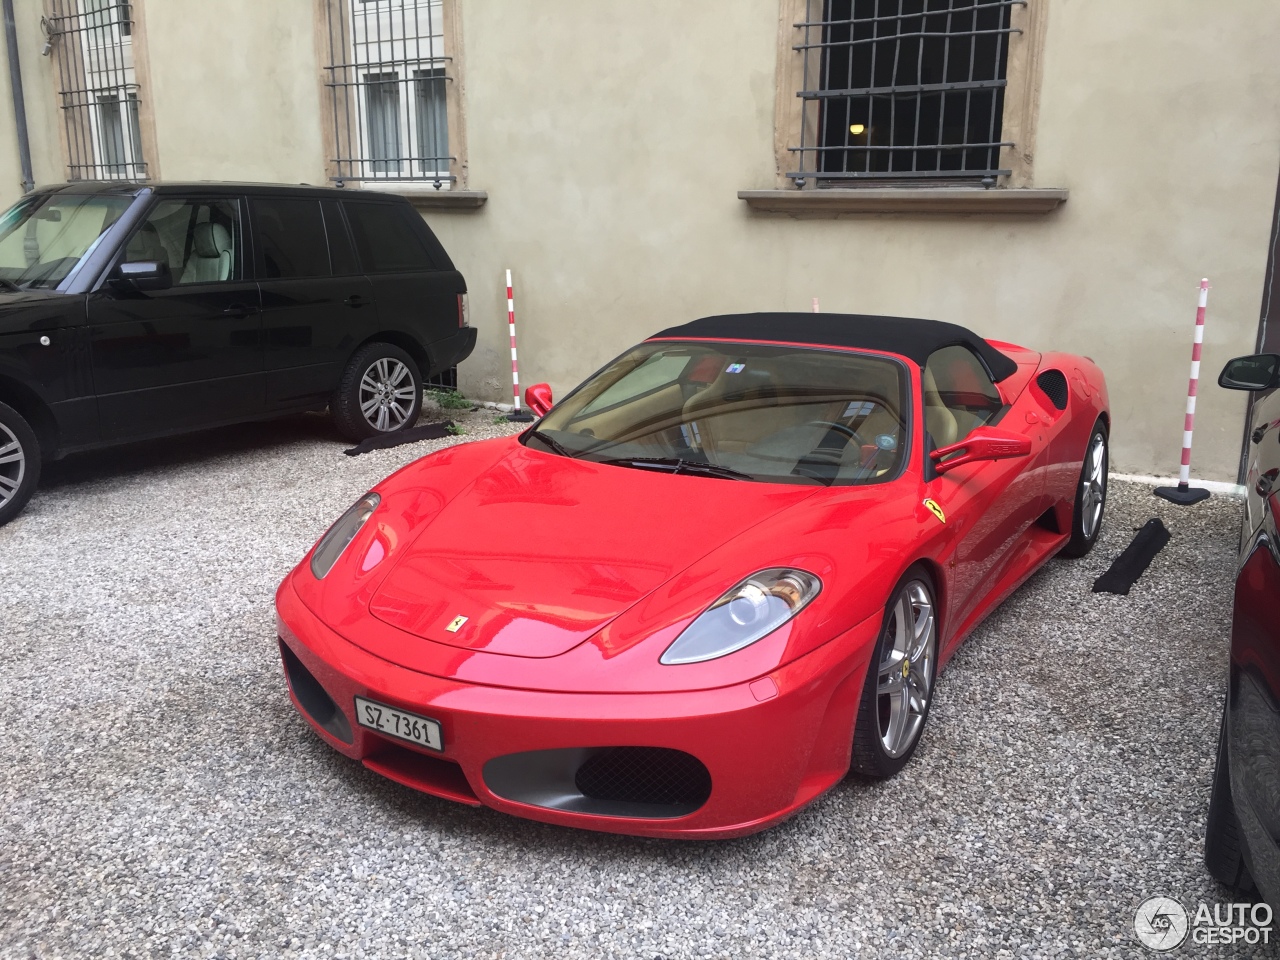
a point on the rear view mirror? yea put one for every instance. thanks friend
(538, 398)
(144, 275)
(985, 443)
(1250, 373)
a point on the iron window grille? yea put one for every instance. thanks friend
(905, 90)
(97, 88)
(387, 82)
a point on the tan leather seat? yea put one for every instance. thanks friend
(737, 410)
(938, 420)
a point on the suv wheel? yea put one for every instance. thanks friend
(19, 463)
(380, 392)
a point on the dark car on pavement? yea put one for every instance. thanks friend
(1242, 840)
(129, 312)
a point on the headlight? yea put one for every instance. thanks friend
(753, 609)
(331, 545)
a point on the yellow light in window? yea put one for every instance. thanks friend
(857, 128)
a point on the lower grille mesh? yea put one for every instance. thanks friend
(645, 775)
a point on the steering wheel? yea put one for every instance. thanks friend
(848, 432)
(823, 462)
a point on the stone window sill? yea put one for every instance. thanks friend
(928, 201)
(428, 198)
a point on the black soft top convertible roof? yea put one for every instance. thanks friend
(914, 339)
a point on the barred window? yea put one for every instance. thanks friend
(387, 79)
(97, 84)
(906, 90)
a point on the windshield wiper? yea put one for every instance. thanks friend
(677, 465)
(553, 444)
(10, 285)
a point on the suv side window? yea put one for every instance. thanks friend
(341, 252)
(289, 237)
(959, 395)
(198, 239)
(385, 238)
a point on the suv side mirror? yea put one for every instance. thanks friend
(538, 398)
(1258, 372)
(144, 275)
(984, 443)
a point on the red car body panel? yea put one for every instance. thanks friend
(575, 576)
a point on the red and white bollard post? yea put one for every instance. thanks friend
(517, 414)
(1184, 494)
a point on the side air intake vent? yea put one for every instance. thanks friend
(1054, 385)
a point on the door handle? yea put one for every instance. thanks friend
(1259, 433)
(237, 310)
(355, 300)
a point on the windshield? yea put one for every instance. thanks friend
(738, 411)
(45, 236)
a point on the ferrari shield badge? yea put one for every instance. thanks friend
(936, 510)
(456, 624)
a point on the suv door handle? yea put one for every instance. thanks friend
(237, 310)
(355, 300)
(1259, 433)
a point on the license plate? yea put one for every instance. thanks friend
(396, 723)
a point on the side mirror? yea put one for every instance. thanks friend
(538, 398)
(1258, 372)
(985, 443)
(144, 275)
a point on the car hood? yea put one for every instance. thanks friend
(541, 552)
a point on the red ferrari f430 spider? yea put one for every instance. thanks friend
(718, 575)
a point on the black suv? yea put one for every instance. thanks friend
(129, 312)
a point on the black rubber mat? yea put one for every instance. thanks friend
(429, 431)
(1133, 562)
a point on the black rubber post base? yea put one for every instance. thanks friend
(521, 417)
(1182, 495)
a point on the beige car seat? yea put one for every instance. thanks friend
(737, 410)
(938, 419)
(210, 255)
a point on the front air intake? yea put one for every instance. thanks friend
(645, 775)
(650, 783)
(1054, 385)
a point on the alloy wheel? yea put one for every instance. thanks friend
(1093, 486)
(13, 465)
(906, 669)
(387, 394)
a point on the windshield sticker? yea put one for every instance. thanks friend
(735, 368)
(858, 408)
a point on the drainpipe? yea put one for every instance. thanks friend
(19, 104)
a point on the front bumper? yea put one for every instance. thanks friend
(768, 747)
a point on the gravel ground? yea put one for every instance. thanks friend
(161, 798)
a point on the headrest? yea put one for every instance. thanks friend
(211, 240)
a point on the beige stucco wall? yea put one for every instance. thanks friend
(613, 138)
(236, 90)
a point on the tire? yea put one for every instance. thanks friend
(380, 392)
(1091, 495)
(1223, 850)
(19, 463)
(899, 685)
